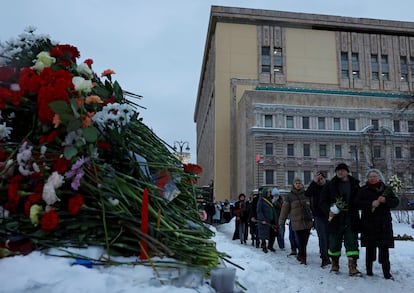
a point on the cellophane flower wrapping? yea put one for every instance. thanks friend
(75, 158)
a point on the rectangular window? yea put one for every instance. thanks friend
(355, 65)
(412, 68)
(290, 150)
(278, 60)
(322, 151)
(338, 151)
(385, 70)
(374, 67)
(375, 123)
(266, 59)
(321, 123)
(269, 177)
(351, 124)
(306, 150)
(290, 177)
(269, 121)
(412, 153)
(377, 151)
(305, 122)
(353, 151)
(403, 68)
(344, 65)
(289, 121)
(307, 177)
(337, 124)
(398, 153)
(411, 126)
(396, 125)
(269, 148)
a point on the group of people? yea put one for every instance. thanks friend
(339, 209)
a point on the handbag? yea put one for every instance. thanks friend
(306, 211)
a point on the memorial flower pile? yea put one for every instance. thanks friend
(79, 168)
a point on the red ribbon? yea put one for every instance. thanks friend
(144, 224)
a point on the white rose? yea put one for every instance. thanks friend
(84, 69)
(43, 60)
(82, 85)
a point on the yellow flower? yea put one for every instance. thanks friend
(35, 213)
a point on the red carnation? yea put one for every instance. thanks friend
(89, 62)
(61, 165)
(192, 168)
(29, 81)
(66, 54)
(75, 203)
(49, 221)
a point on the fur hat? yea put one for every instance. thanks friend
(342, 166)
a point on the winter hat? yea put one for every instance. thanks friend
(342, 166)
(275, 191)
(297, 179)
(264, 191)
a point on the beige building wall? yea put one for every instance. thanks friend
(311, 56)
(236, 57)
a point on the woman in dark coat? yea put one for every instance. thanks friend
(266, 217)
(376, 200)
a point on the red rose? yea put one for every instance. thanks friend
(49, 221)
(75, 203)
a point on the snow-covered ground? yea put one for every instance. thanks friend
(271, 272)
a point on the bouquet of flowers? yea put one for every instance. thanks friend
(339, 205)
(394, 185)
(79, 168)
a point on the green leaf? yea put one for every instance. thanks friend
(63, 109)
(90, 133)
(70, 152)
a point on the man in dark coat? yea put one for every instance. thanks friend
(376, 200)
(241, 212)
(319, 218)
(340, 192)
(266, 216)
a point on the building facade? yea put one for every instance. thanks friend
(284, 94)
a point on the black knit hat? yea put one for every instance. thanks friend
(342, 166)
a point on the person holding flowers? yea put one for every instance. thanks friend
(337, 199)
(376, 199)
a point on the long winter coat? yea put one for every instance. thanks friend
(330, 193)
(292, 205)
(376, 227)
(314, 193)
(265, 212)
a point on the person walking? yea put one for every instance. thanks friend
(265, 217)
(337, 200)
(277, 204)
(376, 200)
(253, 219)
(296, 204)
(218, 214)
(226, 211)
(313, 192)
(241, 212)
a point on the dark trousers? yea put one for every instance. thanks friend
(383, 259)
(293, 238)
(321, 226)
(303, 236)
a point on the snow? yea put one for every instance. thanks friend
(255, 271)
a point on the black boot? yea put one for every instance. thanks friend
(386, 267)
(368, 265)
(264, 246)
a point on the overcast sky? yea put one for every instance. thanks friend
(156, 46)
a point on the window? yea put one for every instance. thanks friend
(375, 123)
(351, 124)
(344, 65)
(404, 68)
(307, 177)
(355, 65)
(338, 151)
(306, 150)
(269, 121)
(374, 67)
(290, 150)
(322, 150)
(269, 177)
(278, 60)
(321, 123)
(398, 153)
(385, 70)
(266, 59)
(377, 151)
(353, 151)
(289, 121)
(305, 122)
(337, 124)
(396, 125)
(411, 126)
(290, 177)
(412, 153)
(412, 67)
(269, 148)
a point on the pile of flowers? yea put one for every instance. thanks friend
(78, 167)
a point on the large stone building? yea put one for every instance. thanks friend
(284, 94)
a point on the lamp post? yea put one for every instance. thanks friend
(178, 148)
(259, 162)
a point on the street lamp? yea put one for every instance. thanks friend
(259, 162)
(179, 145)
